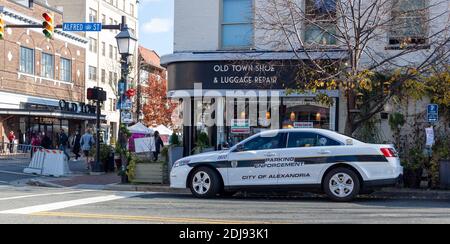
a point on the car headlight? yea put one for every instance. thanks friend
(180, 163)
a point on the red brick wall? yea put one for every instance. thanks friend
(10, 81)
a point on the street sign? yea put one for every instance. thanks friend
(126, 105)
(433, 113)
(82, 27)
(127, 117)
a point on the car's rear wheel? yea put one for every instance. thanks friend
(205, 183)
(342, 185)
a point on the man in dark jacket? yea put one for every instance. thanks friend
(158, 145)
(63, 140)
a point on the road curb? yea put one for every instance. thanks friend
(144, 188)
(43, 183)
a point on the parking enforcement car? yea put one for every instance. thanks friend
(337, 165)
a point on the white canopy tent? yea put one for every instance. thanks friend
(140, 128)
(163, 130)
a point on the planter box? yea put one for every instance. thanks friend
(175, 153)
(152, 173)
(444, 174)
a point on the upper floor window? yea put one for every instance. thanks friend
(237, 24)
(409, 22)
(93, 45)
(48, 66)
(66, 70)
(103, 76)
(26, 60)
(92, 15)
(320, 23)
(103, 19)
(92, 73)
(132, 9)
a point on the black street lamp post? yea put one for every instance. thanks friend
(126, 43)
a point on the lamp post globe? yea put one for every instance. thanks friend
(126, 41)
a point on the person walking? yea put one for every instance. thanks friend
(11, 138)
(46, 142)
(75, 144)
(63, 141)
(35, 142)
(158, 145)
(86, 143)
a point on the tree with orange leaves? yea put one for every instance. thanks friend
(158, 108)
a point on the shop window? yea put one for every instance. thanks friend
(237, 24)
(26, 60)
(266, 142)
(409, 22)
(48, 66)
(320, 24)
(66, 70)
(304, 113)
(304, 139)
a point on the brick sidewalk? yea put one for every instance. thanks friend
(111, 178)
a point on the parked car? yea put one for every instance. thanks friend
(300, 159)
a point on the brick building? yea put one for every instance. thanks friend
(42, 81)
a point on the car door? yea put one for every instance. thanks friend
(251, 161)
(312, 152)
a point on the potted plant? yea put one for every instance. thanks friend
(440, 164)
(175, 150)
(202, 144)
(147, 171)
(106, 157)
(413, 168)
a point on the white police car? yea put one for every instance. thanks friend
(338, 165)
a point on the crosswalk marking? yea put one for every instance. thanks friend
(68, 204)
(44, 195)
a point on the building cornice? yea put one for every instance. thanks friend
(177, 57)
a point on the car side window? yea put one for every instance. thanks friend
(266, 142)
(309, 139)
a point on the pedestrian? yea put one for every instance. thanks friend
(63, 141)
(35, 142)
(46, 142)
(158, 145)
(21, 137)
(11, 138)
(75, 144)
(86, 143)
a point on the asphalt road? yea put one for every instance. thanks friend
(45, 205)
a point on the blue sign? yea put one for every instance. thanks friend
(82, 27)
(433, 113)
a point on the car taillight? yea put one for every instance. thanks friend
(389, 152)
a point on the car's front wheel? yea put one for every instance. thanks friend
(342, 185)
(205, 183)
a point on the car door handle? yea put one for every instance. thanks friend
(324, 152)
(270, 154)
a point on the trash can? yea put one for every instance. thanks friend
(444, 172)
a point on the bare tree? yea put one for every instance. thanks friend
(383, 46)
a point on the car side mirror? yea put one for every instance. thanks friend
(239, 148)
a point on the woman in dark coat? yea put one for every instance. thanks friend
(76, 146)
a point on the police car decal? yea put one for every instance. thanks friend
(338, 165)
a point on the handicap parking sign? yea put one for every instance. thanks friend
(433, 113)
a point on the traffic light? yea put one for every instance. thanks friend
(2, 27)
(49, 25)
(96, 93)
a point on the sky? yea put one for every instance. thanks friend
(156, 25)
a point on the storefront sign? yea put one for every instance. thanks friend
(240, 126)
(303, 125)
(233, 75)
(80, 108)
